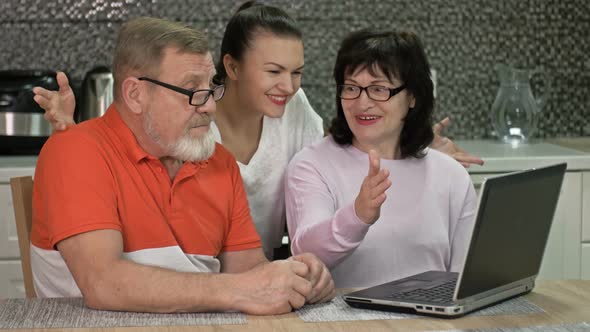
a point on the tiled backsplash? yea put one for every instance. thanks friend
(464, 39)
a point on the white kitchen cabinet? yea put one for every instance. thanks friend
(562, 254)
(8, 237)
(11, 276)
(586, 208)
(566, 255)
(12, 284)
(585, 266)
(585, 256)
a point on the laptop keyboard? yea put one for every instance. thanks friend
(442, 293)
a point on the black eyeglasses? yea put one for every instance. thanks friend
(375, 92)
(195, 97)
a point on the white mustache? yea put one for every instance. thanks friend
(203, 120)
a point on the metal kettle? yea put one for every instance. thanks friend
(97, 93)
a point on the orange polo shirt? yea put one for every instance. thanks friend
(95, 176)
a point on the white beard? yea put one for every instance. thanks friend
(193, 148)
(186, 148)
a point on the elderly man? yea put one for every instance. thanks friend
(119, 220)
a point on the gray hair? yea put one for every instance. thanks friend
(141, 44)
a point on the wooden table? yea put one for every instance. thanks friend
(564, 301)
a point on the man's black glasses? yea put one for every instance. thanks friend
(196, 97)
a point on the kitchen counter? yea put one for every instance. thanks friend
(498, 157)
(12, 166)
(576, 143)
(501, 157)
(567, 255)
(17, 161)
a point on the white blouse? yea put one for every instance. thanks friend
(264, 175)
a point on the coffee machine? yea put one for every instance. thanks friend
(23, 130)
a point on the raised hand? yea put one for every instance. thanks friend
(58, 105)
(446, 145)
(271, 288)
(321, 280)
(372, 194)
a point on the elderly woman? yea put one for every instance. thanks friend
(372, 200)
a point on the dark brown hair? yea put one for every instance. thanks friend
(397, 54)
(250, 19)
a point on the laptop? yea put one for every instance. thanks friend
(509, 237)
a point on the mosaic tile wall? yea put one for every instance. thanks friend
(464, 39)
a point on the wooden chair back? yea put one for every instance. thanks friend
(22, 199)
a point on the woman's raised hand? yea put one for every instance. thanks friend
(58, 105)
(372, 194)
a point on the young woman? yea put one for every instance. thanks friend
(372, 201)
(264, 117)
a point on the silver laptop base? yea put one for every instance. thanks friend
(452, 310)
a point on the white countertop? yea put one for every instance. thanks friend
(501, 157)
(12, 166)
(498, 157)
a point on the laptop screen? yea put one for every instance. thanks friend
(510, 233)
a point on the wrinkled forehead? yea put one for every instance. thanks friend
(207, 65)
(201, 61)
(196, 66)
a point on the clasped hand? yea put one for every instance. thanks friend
(281, 286)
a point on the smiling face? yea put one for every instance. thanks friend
(180, 129)
(269, 73)
(376, 124)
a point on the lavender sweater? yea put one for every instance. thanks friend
(425, 222)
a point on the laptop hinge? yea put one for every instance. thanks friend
(527, 284)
